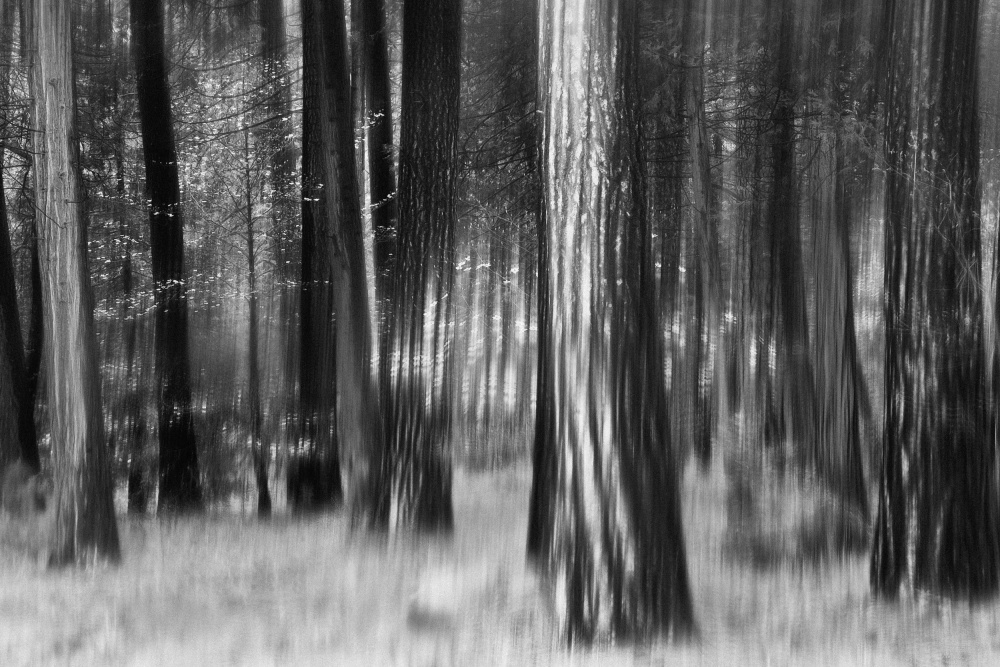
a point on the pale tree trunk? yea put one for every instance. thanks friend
(373, 93)
(604, 520)
(85, 528)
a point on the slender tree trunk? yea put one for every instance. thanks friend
(415, 469)
(376, 90)
(84, 523)
(275, 138)
(180, 487)
(260, 448)
(604, 519)
(706, 232)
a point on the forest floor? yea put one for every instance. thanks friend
(226, 590)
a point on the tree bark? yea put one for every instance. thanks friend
(936, 528)
(84, 523)
(415, 373)
(604, 519)
(180, 487)
(333, 252)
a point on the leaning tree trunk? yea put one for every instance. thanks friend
(415, 373)
(936, 528)
(180, 487)
(84, 523)
(604, 522)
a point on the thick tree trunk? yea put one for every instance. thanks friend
(180, 487)
(604, 523)
(333, 252)
(836, 452)
(936, 528)
(415, 373)
(314, 480)
(84, 524)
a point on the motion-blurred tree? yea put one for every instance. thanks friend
(180, 486)
(84, 521)
(937, 525)
(415, 374)
(604, 521)
(336, 383)
(17, 421)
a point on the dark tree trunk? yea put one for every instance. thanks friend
(337, 392)
(36, 324)
(17, 406)
(260, 447)
(936, 528)
(314, 480)
(415, 370)
(604, 520)
(180, 487)
(794, 370)
(84, 526)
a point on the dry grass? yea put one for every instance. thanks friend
(223, 590)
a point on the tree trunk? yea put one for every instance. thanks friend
(17, 406)
(337, 284)
(180, 487)
(706, 233)
(936, 528)
(84, 524)
(836, 452)
(375, 89)
(794, 371)
(604, 520)
(275, 138)
(415, 373)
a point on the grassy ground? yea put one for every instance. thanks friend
(224, 590)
